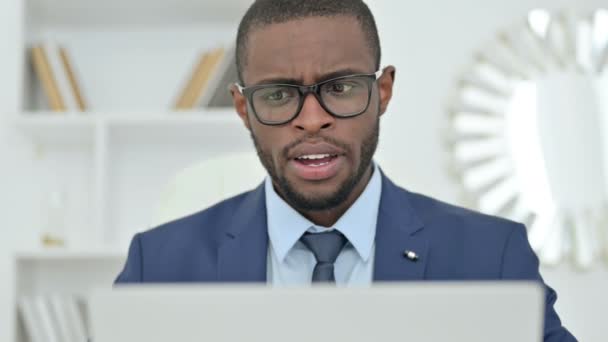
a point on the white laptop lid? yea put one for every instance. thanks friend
(418, 312)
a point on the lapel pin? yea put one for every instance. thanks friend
(411, 255)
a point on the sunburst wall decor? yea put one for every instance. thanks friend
(528, 132)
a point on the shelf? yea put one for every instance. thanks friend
(222, 116)
(59, 128)
(44, 271)
(54, 127)
(63, 254)
(198, 128)
(133, 13)
(132, 59)
(49, 118)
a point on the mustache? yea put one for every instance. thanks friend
(316, 138)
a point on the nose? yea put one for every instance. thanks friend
(313, 117)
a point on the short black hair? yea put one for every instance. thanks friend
(266, 12)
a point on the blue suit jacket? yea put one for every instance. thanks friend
(229, 241)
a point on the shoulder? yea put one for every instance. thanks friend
(184, 249)
(205, 225)
(465, 244)
(444, 218)
(455, 229)
(441, 215)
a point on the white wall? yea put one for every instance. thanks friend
(429, 42)
(15, 160)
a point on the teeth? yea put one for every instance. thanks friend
(315, 156)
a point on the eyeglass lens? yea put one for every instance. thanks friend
(342, 97)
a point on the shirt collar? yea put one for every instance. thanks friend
(358, 224)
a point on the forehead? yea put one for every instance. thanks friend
(307, 49)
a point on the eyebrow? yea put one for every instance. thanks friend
(325, 77)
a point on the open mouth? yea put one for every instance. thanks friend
(317, 167)
(316, 160)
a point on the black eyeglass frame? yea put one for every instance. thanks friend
(303, 91)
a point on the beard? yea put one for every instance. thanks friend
(304, 202)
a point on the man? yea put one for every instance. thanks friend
(311, 93)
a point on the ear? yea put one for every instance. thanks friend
(385, 87)
(240, 105)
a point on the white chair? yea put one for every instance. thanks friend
(208, 182)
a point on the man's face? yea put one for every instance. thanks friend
(307, 51)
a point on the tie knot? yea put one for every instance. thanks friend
(325, 246)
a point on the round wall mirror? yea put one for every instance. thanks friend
(528, 132)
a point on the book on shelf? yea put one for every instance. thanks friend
(53, 318)
(57, 76)
(47, 78)
(76, 317)
(208, 83)
(194, 88)
(30, 318)
(225, 74)
(68, 317)
(72, 78)
(57, 306)
(47, 324)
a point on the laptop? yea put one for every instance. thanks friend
(417, 311)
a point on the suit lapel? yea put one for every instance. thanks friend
(397, 231)
(243, 248)
(242, 253)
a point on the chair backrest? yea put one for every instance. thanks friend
(208, 182)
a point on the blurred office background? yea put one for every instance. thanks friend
(89, 181)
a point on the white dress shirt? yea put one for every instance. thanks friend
(290, 263)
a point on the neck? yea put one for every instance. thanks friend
(327, 218)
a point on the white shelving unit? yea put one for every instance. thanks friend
(116, 141)
(44, 271)
(111, 163)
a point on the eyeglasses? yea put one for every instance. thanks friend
(342, 97)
